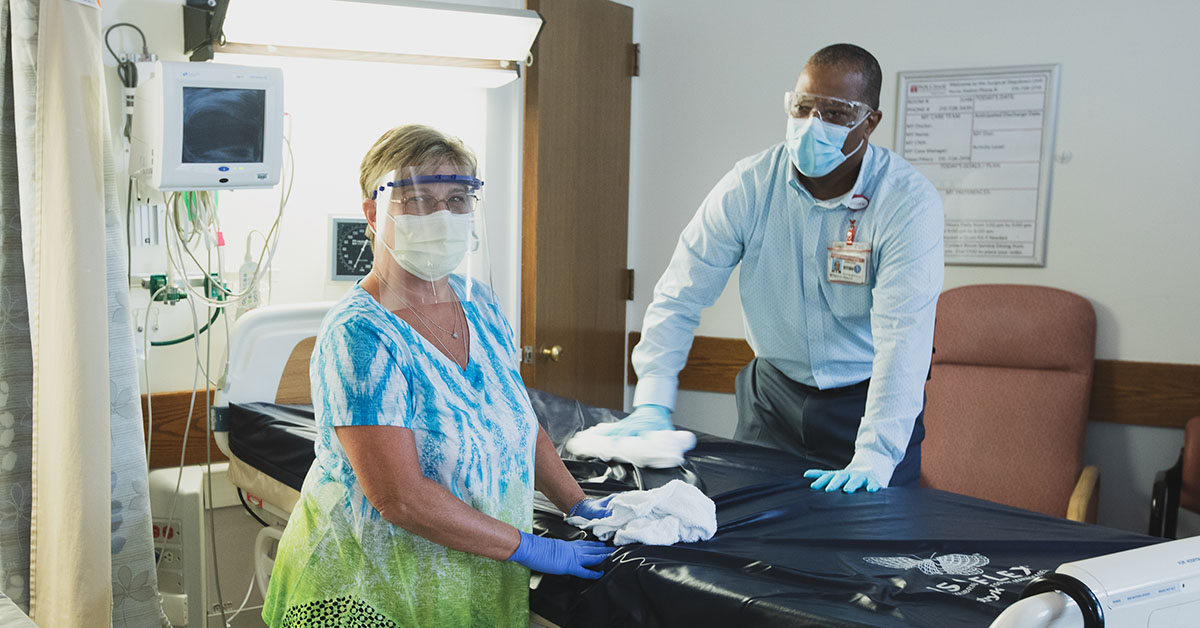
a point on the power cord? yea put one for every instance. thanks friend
(127, 68)
(249, 510)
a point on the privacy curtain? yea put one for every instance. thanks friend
(16, 359)
(86, 518)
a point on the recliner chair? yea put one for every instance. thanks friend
(1007, 398)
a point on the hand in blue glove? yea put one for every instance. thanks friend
(589, 508)
(558, 557)
(645, 418)
(848, 481)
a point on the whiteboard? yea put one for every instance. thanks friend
(985, 138)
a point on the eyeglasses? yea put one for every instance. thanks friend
(848, 113)
(422, 204)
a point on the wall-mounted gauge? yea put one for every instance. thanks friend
(352, 256)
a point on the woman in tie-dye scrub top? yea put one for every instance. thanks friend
(418, 509)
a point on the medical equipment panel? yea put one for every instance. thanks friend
(1156, 586)
(208, 126)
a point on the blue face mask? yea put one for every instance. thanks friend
(815, 146)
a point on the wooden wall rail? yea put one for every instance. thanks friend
(1135, 393)
(1145, 393)
(170, 420)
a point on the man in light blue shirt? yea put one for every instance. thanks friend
(840, 246)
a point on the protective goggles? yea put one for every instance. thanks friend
(425, 194)
(848, 113)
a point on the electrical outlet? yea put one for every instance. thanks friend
(245, 283)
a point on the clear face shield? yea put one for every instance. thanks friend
(430, 232)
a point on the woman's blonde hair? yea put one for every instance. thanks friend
(412, 146)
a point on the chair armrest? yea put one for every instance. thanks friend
(1086, 496)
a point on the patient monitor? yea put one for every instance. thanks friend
(208, 126)
(1157, 586)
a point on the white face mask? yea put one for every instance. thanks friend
(430, 246)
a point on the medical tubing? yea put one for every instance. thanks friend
(208, 439)
(183, 242)
(208, 381)
(230, 297)
(187, 423)
(187, 428)
(242, 607)
(146, 374)
(175, 341)
(128, 217)
(224, 367)
(1085, 598)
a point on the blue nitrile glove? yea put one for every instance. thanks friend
(558, 557)
(848, 481)
(589, 508)
(644, 418)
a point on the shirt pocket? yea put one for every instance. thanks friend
(848, 302)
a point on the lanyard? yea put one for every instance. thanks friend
(857, 203)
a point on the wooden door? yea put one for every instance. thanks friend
(574, 282)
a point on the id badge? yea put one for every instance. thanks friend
(849, 263)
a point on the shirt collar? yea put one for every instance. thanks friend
(795, 183)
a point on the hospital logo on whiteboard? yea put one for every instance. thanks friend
(945, 565)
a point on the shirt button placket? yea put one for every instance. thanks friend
(813, 312)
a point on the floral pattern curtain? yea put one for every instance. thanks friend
(135, 601)
(16, 359)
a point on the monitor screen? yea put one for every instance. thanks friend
(223, 125)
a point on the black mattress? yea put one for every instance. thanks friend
(273, 438)
(783, 555)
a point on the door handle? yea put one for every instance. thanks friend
(554, 353)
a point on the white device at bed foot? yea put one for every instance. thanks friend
(1157, 586)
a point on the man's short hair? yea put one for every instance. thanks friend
(854, 59)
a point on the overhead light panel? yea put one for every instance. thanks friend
(384, 26)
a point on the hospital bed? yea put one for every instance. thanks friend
(783, 555)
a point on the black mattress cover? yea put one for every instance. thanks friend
(275, 439)
(783, 555)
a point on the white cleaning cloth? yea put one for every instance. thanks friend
(657, 450)
(675, 513)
